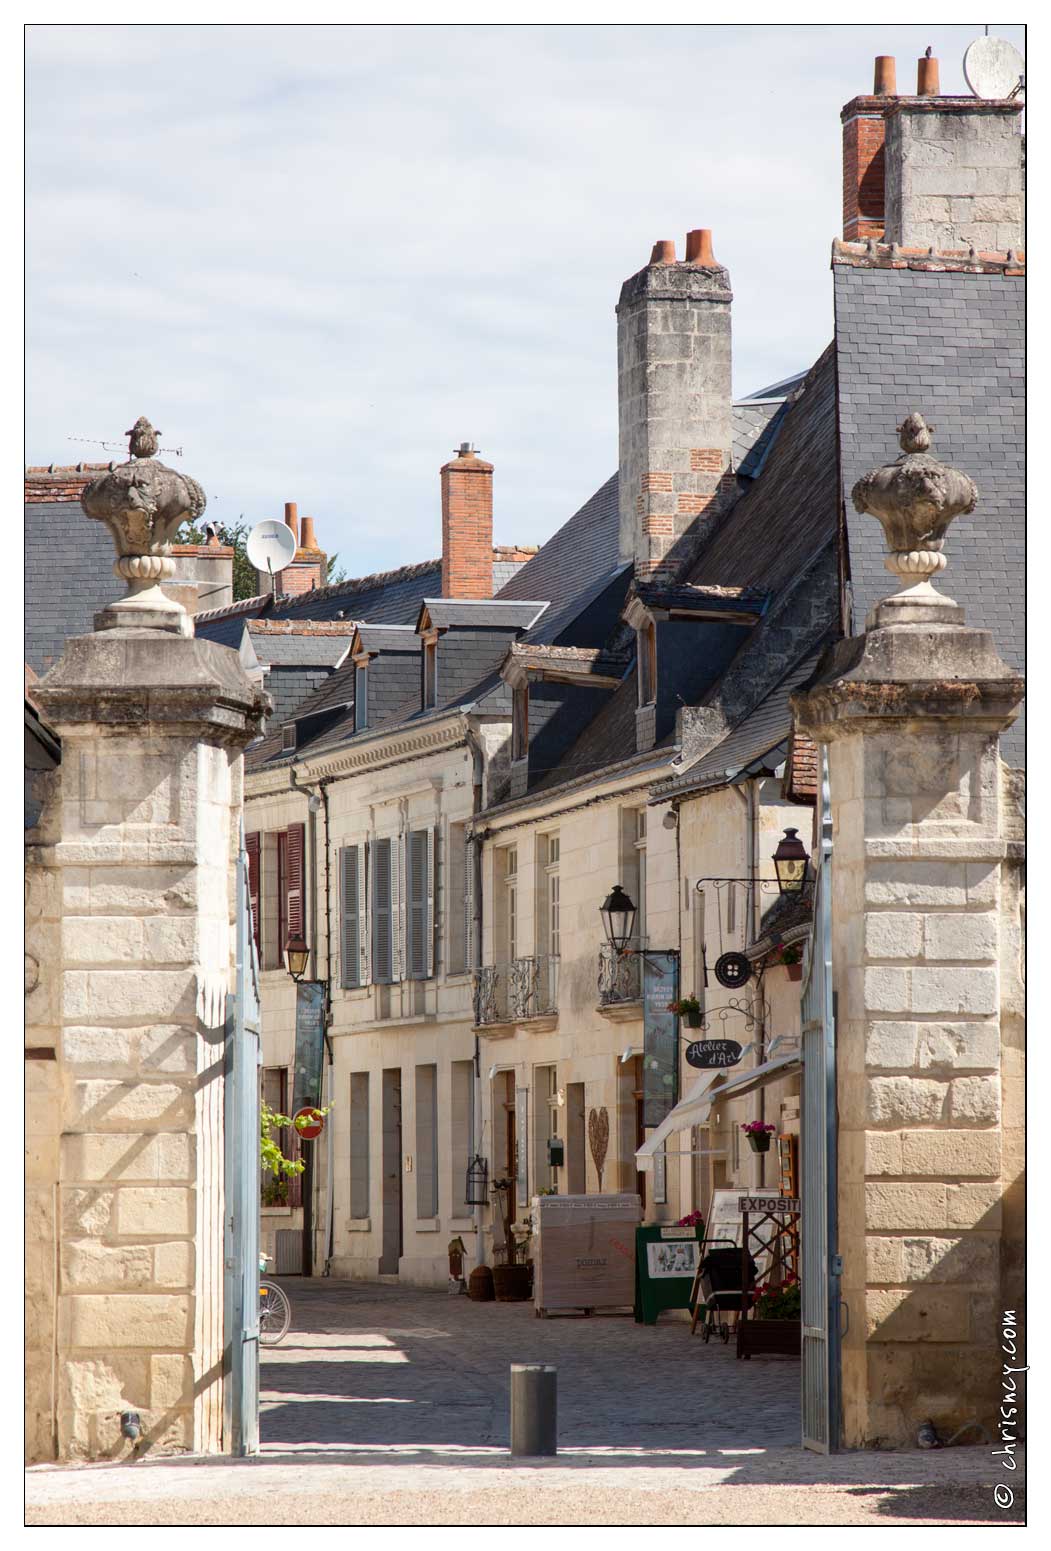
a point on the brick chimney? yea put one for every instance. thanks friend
(675, 404)
(467, 525)
(929, 171)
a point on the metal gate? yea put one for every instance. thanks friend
(241, 1246)
(821, 1402)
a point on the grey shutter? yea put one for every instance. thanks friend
(363, 920)
(468, 905)
(417, 871)
(397, 906)
(382, 915)
(432, 886)
(351, 884)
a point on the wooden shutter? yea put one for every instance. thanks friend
(351, 886)
(382, 917)
(432, 887)
(252, 847)
(416, 902)
(397, 907)
(282, 898)
(295, 854)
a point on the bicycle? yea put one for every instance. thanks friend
(275, 1311)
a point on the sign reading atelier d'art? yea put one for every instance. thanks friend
(660, 1036)
(310, 1043)
(707, 1054)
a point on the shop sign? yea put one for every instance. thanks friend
(776, 1204)
(310, 1043)
(709, 1053)
(660, 1036)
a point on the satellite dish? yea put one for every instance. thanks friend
(271, 546)
(994, 69)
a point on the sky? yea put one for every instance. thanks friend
(319, 258)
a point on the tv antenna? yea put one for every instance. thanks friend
(93, 441)
(994, 69)
(271, 546)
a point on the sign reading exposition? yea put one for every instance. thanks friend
(310, 1041)
(660, 1036)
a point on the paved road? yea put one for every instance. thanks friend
(389, 1405)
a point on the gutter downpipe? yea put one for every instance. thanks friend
(474, 951)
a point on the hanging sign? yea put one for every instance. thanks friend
(777, 1204)
(310, 1042)
(660, 1036)
(732, 970)
(522, 1144)
(708, 1053)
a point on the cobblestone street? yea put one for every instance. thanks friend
(389, 1405)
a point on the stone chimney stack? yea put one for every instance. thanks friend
(675, 403)
(930, 171)
(467, 525)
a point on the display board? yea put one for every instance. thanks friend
(310, 1044)
(725, 1221)
(660, 1036)
(666, 1261)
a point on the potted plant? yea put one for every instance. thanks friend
(773, 1324)
(687, 1007)
(758, 1133)
(791, 957)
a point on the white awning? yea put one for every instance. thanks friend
(712, 1088)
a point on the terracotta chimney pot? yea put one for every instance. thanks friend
(699, 248)
(292, 519)
(927, 83)
(307, 539)
(663, 252)
(885, 81)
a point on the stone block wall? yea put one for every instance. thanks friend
(954, 175)
(918, 942)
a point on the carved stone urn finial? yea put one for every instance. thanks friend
(143, 504)
(915, 499)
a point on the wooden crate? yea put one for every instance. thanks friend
(584, 1251)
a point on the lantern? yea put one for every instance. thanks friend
(296, 955)
(618, 917)
(477, 1193)
(790, 863)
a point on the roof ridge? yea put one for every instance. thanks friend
(890, 255)
(377, 579)
(237, 607)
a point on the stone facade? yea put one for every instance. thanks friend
(675, 406)
(954, 174)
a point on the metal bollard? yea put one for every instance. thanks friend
(534, 1409)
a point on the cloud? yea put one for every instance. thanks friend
(321, 257)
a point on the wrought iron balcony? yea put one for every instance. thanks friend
(619, 975)
(512, 992)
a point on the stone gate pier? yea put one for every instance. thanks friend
(926, 963)
(131, 939)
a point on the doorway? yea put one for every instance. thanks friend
(392, 1179)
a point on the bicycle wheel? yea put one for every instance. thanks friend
(275, 1313)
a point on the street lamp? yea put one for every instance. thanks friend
(618, 917)
(296, 955)
(790, 862)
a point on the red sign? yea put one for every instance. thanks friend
(309, 1123)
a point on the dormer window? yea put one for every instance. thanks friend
(430, 673)
(361, 696)
(646, 638)
(288, 738)
(520, 722)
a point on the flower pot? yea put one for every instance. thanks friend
(692, 1019)
(795, 971)
(759, 1141)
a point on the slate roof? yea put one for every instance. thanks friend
(68, 577)
(300, 650)
(761, 736)
(950, 345)
(482, 613)
(289, 688)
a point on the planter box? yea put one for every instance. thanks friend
(780, 1337)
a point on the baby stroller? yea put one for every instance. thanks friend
(719, 1287)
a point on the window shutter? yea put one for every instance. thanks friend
(397, 907)
(252, 847)
(416, 902)
(363, 933)
(295, 853)
(350, 888)
(468, 905)
(432, 886)
(382, 919)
